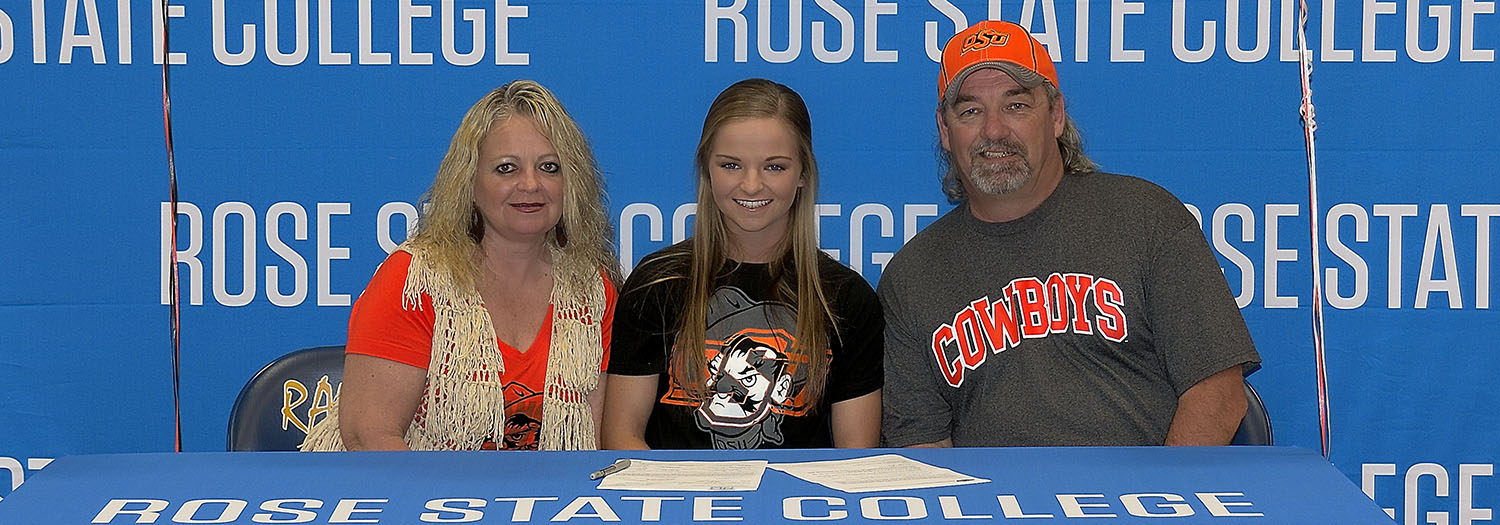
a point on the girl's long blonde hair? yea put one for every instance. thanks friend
(794, 267)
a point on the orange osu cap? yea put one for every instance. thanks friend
(999, 45)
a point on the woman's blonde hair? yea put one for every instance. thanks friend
(794, 265)
(450, 228)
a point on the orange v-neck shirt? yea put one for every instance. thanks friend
(380, 327)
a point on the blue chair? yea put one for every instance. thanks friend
(1255, 429)
(286, 397)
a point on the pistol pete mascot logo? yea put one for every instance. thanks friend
(746, 379)
(752, 382)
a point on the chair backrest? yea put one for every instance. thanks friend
(1255, 429)
(284, 399)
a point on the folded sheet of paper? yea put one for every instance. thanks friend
(869, 474)
(687, 476)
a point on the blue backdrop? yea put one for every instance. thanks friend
(306, 129)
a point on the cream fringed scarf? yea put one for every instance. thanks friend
(464, 399)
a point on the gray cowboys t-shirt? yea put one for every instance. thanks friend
(1078, 324)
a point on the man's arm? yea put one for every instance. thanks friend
(1209, 412)
(1197, 327)
(914, 411)
(945, 443)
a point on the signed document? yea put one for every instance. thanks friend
(687, 476)
(869, 474)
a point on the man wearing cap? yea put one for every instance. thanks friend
(1055, 305)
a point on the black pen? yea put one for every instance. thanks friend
(616, 467)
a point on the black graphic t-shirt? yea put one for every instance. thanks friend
(755, 387)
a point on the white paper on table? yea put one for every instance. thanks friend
(687, 476)
(873, 473)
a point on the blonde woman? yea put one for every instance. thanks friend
(747, 335)
(489, 328)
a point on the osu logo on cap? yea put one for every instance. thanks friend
(984, 38)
